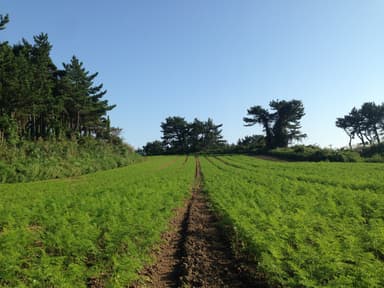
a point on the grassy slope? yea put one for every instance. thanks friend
(31, 161)
(97, 228)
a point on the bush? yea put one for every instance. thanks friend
(314, 154)
(29, 161)
(376, 158)
(373, 150)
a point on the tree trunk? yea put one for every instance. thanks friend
(377, 135)
(34, 127)
(78, 121)
(361, 137)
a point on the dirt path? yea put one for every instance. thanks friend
(196, 253)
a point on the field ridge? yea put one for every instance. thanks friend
(196, 252)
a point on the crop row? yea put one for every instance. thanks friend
(351, 175)
(303, 224)
(91, 230)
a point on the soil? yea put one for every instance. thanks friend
(195, 251)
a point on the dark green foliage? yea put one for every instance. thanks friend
(282, 126)
(154, 148)
(314, 154)
(181, 137)
(38, 160)
(37, 100)
(49, 118)
(82, 103)
(204, 136)
(373, 153)
(175, 134)
(3, 21)
(209, 138)
(263, 117)
(251, 144)
(365, 123)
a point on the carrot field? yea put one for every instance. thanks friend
(95, 230)
(303, 224)
(299, 224)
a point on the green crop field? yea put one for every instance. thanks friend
(301, 224)
(94, 229)
(304, 224)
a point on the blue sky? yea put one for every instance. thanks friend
(216, 58)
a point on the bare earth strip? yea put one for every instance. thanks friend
(166, 272)
(196, 252)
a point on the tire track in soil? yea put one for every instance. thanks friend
(196, 252)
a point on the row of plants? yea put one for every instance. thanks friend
(90, 231)
(303, 224)
(365, 176)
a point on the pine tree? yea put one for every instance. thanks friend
(8, 93)
(175, 134)
(83, 105)
(39, 101)
(42, 87)
(281, 126)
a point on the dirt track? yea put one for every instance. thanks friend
(195, 252)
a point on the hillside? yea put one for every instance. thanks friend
(40, 160)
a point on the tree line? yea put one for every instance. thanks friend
(40, 100)
(281, 125)
(180, 137)
(365, 123)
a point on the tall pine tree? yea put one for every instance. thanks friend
(85, 111)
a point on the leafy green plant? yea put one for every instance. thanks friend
(100, 227)
(303, 224)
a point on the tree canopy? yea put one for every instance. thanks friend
(366, 123)
(251, 142)
(3, 21)
(180, 136)
(39, 100)
(282, 125)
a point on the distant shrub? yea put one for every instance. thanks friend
(314, 154)
(373, 150)
(376, 158)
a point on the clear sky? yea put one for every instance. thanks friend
(216, 58)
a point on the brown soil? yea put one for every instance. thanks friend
(196, 252)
